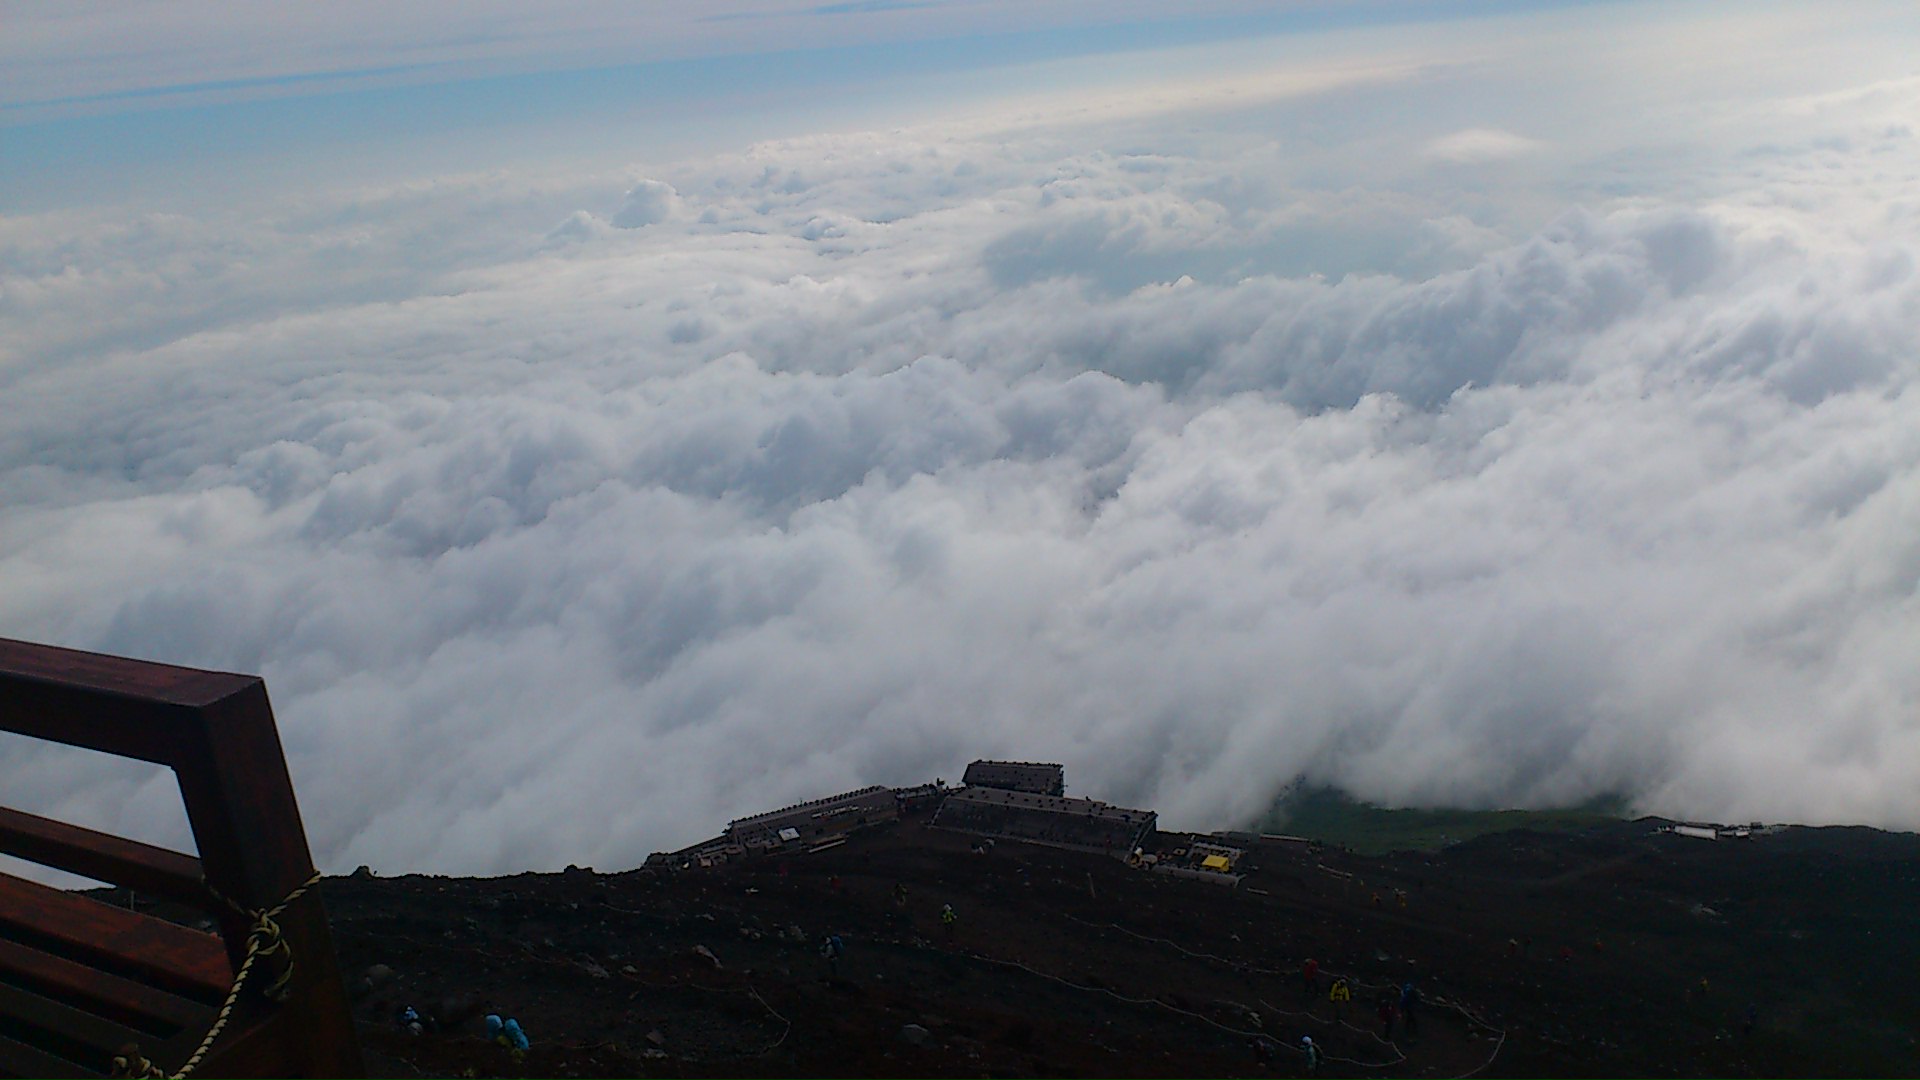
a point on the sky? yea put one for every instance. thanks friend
(599, 421)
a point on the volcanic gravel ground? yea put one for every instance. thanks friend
(1071, 964)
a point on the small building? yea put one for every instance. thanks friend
(807, 822)
(711, 852)
(920, 798)
(1700, 831)
(1082, 824)
(1216, 864)
(1215, 857)
(1038, 778)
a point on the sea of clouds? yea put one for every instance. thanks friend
(569, 516)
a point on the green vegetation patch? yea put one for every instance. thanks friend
(1335, 817)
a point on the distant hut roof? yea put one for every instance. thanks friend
(1088, 824)
(876, 794)
(1038, 777)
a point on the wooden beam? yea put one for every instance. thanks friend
(63, 1030)
(131, 708)
(32, 1061)
(77, 672)
(103, 857)
(137, 946)
(135, 1004)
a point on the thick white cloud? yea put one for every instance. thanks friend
(647, 203)
(1187, 454)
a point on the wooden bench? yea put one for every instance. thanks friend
(79, 978)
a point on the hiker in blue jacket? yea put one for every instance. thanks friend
(832, 949)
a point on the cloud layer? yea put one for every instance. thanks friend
(568, 519)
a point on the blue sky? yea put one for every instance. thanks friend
(155, 138)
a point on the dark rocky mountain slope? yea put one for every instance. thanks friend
(1611, 951)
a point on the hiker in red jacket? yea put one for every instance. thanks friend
(1310, 976)
(1387, 1014)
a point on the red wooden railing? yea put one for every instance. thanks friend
(81, 980)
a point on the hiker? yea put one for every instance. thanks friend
(1310, 976)
(1340, 994)
(1263, 1050)
(899, 894)
(1566, 954)
(1313, 1054)
(948, 917)
(833, 882)
(1409, 1001)
(507, 1033)
(409, 1021)
(832, 948)
(1513, 948)
(1387, 1013)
